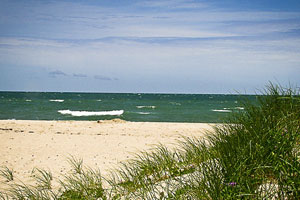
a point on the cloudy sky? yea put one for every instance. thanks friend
(166, 46)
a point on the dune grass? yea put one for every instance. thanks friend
(255, 154)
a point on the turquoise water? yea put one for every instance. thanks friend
(126, 106)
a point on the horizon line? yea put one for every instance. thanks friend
(94, 92)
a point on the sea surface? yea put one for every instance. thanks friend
(127, 106)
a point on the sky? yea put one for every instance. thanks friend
(149, 46)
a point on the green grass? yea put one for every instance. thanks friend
(255, 154)
(7, 174)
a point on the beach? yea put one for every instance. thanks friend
(29, 144)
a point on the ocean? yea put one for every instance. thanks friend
(208, 108)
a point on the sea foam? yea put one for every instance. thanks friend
(143, 113)
(57, 100)
(240, 108)
(175, 103)
(235, 108)
(222, 110)
(146, 107)
(90, 113)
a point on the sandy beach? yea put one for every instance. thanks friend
(27, 144)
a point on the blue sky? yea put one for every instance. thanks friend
(165, 46)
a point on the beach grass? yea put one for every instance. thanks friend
(254, 154)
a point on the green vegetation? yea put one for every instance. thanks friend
(254, 155)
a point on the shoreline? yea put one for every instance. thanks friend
(26, 144)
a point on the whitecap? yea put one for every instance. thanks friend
(28, 100)
(143, 113)
(221, 110)
(175, 103)
(99, 100)
(240, 108)
(57, 100)
(90, 113)
(146, 107)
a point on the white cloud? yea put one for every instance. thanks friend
(176, 39)
(126, 56)
(172, 4)
(78, 21)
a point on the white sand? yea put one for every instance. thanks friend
(46, 144)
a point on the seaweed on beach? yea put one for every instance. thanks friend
(255, 154)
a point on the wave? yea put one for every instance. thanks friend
(175, 103)
(146, 107)
(143, 113)
(90, 113)
(221, 110)
(57, 100)
(240, 108)
(235, 108)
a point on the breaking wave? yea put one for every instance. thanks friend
(222, 110)
(240, 108)
(90, 113)
(143, 113)
(146, 107)
(57, 100)
(175, 103)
